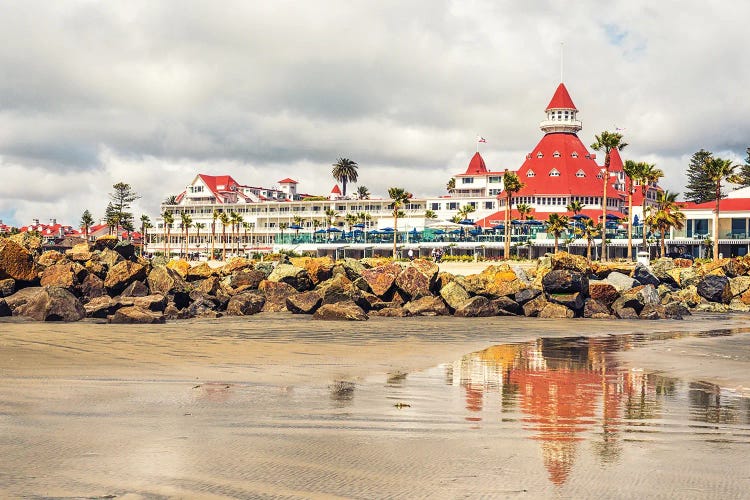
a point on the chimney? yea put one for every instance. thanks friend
(35, 221)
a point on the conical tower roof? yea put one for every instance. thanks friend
(561, 99)
(476, 165)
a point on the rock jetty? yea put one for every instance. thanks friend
(108, 281)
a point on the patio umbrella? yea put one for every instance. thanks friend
(295, 227)
(611, 217)
(439, 231)
(532, 222)
(499, 226)
(580, 217)
(387, 230)
(444, 224)
(636, 221)
(360, 225)
(466, 222)
(333, 230)
(320, 231)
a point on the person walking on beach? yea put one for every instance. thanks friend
(411, 254)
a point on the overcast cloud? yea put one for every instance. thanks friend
(153, 92)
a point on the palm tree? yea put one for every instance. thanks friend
(237, 221)
(350, 220)
(557, 224)
(187, 222)
(331, 216)
(316, 225)
(198, 226)
(607, 141)
(589, 231)
(86, 221)
(399, 196)
(575, 206)
(245, 227)
(523, 210)
(168, 218)
(345, 170)
(283, 227)
(665, 215)
(451, 184)
(170, 200)
(511, 184)
(647, 174)
(215, 215)
(225, 221)
(298, 221)
(145, 226)
(631, 172)
(430, 214)
(463, 214)
(718, 170)
(456, 218)
(363, 193)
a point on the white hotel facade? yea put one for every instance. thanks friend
(557, 171)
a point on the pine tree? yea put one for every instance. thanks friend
(121, 198)
(745, 170)
(700, 188)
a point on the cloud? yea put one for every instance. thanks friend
(152, 93)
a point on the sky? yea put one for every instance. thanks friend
(152, 93)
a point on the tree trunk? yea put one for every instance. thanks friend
(395, 234)
(630, 223)
(224, 244)
(507, 228)
(343, 187)
(588, 249)
(644, 191)
(556, 242)
(716, 221)
(604, 209)
(213, 240)
(663, 244)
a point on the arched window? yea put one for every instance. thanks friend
(554, 173)
(540, 155)
(580, 173)
(574, 154)
(556, 154)
(530, 173)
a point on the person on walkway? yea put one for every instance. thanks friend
(411, 254)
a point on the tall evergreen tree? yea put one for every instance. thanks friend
(86, 221)
(700, 188)
(122, 197)
(745, 170)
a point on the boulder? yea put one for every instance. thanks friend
(62, 275)
(626, 313)
(661, 267)
(637, 298)
(109, 258)
(202, 305)
(381, 279)
(319, 269)
(525, 295)
(246, 304)
(276, 294)
(712, 307)
(123, 274)
(107, 241)
(352, 267)
(595, 309)
(689, 276)
(246, 278)
(164, 280)
(735, 267)
(7, 287)
(476, 307)
(620, 281)
(200, 272)
(676, 310)
(565, 281)
(341, 311)
(5, 309)
(79, 253)
(154, 302)
(573, 301)
(238, 264)
(426, 267)
(294, 276)
(46, 304)
(210, 286)
(644, 276)
(736, 305)
(688, 296)
(91, 287)
(603, 292)
(27, 240)
(180, 266)
(136, 315)
(570, 262)
(454, 295)
(135, 289)
(49, 258)
(101, 307)
(506, 306)
(533, 307)
(552, 310)
(413, 283)
(715, 289)
(739, 285)
(17, 262)
(304, 303)
(94, 266)
(126, 249)
(427, 306)
(653, 311)
(390, 312)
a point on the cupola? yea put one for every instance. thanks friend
(561, 114)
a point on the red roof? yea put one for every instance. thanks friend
(615, 161)
(725, 205)
(593, 213)
(336, 189)
(574, 171)
(288, 181)
(561, 99)
(218, 183)
(476, 165)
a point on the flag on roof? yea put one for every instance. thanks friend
(481, 139)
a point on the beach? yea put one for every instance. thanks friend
(277, 405)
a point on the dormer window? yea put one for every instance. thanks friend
(588, 157)
(600, 175)
(556, 154)
(554, 173)
(530, 173)
(574, 154)
(528, 156)
(580, 173)
(539, 155)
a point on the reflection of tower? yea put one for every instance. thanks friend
(480, 372)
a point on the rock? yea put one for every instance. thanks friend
(7, 287)
(5, 309)
(101, 307)
(49, 258)
(62, 275)
(521, 274)
(555, 311)
(46, 304)
(739, 285)
(352, 267)
(91, 287)
(167, 281)
(126, 249)
(200, 272)
(676, 310)
(136, 315)
(413, 283)
(123, 274)
(454, 295)
(154, 302)
(674, 276)
(661, 267)
(180, 266)
(626, 313)
(304, 303)
(246, 278)
(236, 264)
(341, 289)
(533, 307)
(715, 289)
(107, 241)
(712, 307)
(603, 269)
(570, 262)
(688, 295)
(210, 286)
(652, 312)
(202, 305)
(736, 305)
(688, 277)
(527, 294)
(17, 262)
(319, 269)
(27, 240)
(390, 312)
(96, 267)
(476, 307)
(135, 289)
(683, 263)
(644, 276)
(621, 282)
(735, 267)
(246, 304)
(80, 252)
(565, 281)
(573, 301)
(341, 311)
(592, 308)
(109, 258)
(507, 305)
(637, 298)
(382, 278)
(426, 267)
(296, 277)
(276, 294)
(427, 306)
(603, 292)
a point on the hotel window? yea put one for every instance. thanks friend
(435, 206)
(539, 155)
(452, 206)
(489, 205)
(495, 179)
(467, 180)
(530, 173)
(554, 173)
(580, 173)
(556, 154)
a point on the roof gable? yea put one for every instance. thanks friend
(476, 165)
(561, 99)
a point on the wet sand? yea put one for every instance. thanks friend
(282, 406)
